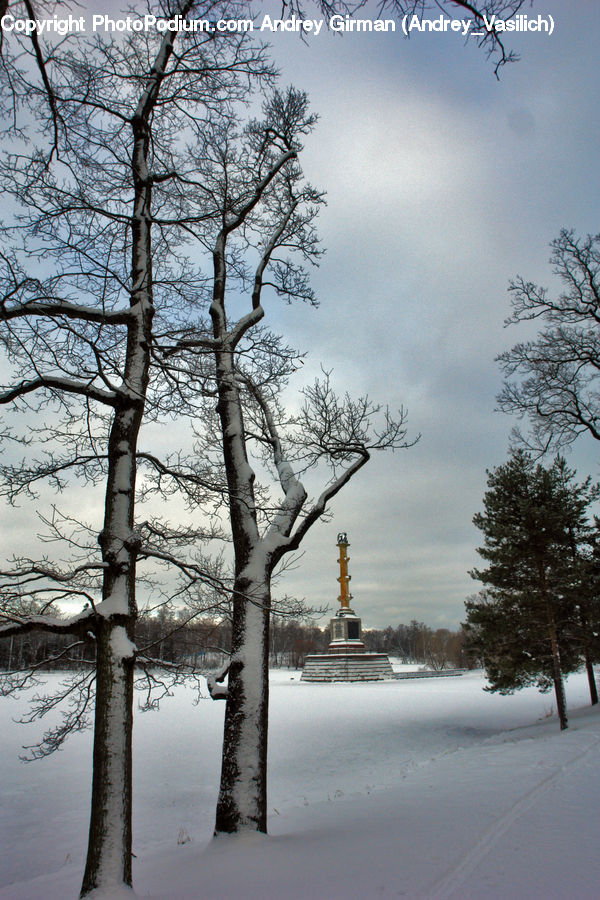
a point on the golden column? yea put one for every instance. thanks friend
(345, 595)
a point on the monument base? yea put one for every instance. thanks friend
(346, 647)
(347, 666)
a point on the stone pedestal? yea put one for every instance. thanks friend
(347, 667)
(346, 633)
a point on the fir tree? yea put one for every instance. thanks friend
(531, 624)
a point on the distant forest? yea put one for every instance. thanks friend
(203, 644)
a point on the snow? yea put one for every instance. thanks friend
(421, 789)
(115, 603)
(217, 690)
(244, 791)
(121, 646)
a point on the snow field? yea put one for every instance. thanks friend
(421, 789)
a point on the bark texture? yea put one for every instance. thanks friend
(108, 861)
(242, 801)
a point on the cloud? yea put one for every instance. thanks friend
(442, 184)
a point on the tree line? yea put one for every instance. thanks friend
(203, 645)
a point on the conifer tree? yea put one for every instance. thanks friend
(527, 623)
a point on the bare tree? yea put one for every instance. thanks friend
(553, 379)
(92, 269)
(266, 214)
(480, 14)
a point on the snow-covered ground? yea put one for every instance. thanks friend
(415, 789)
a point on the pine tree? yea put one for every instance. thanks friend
(527, 624)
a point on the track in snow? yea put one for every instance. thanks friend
(447, 886)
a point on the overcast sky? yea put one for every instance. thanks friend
(442, 183)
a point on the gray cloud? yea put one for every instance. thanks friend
(442, 184)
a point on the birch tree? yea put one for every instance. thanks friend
(91, 267)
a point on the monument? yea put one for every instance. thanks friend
(346, 658)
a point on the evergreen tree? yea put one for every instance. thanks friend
(527, 624)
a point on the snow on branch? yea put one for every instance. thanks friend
(343, 434)
(217, 689)
(56, 383)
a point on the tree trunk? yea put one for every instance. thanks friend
(557, 677)
(108, 864)
(591, 679)
(585, 626)
(242, 803)
(108, 861)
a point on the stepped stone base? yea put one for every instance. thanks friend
(342, 648)
(347, 667)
